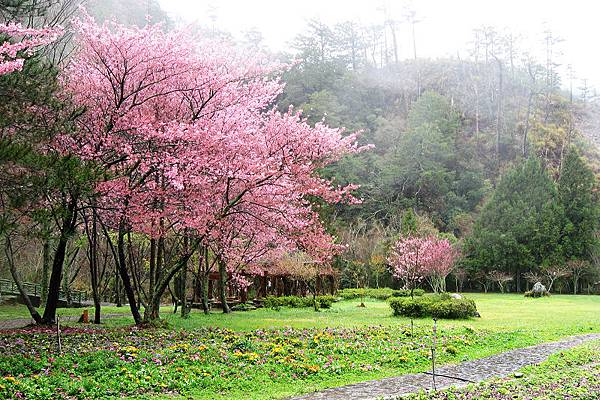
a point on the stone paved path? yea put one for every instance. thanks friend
(498, 365)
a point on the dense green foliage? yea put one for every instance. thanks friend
(436, 306)
(449, 134)
(575, 194)
(379, 294)
(276, 302)
(530, 223)
(520, 227)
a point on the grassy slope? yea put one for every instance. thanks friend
(519, 321)
(552, 317)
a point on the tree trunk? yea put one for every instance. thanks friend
(65, 283)
(223, 286)
(526, 129)
(118, 301)
(67, 229)
(476, 109)
(499, 112)
(204, 293)
(45, 271)
(202, 288)
(163, 279)
(124, 274)
(183, 282)
(13, 271)
(394, 42)
(153, 311)
(92, 233)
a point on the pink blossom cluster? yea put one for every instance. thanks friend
(10, 61)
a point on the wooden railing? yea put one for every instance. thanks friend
(8, 286)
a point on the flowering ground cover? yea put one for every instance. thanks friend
(573, 374)
(209, 363)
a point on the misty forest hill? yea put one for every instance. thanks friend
(444, 130)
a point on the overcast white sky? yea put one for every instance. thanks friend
(445, 28)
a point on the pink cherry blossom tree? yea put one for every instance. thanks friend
(406, 260)
(413, 259)
(189, 139)
(439, 262)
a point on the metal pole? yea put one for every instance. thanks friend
(58, 334)
(433, 353)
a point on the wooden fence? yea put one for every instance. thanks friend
(9, 287)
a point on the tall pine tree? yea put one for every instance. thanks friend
(575, 187)
(521, 225)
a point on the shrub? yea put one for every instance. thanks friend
(272, 302)
(436, 306)
(243, 307)
(531, 293)
(453, 309)
(350, 294)
(407, 307)
(326, 301)
(379, 294)
(275, 302)
(406, 293)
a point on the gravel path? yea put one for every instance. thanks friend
(482, 369)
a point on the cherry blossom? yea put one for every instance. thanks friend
(22, 44)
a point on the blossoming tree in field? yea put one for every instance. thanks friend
(406, 261)
(439, 261)
(413, 259)
(191, 144)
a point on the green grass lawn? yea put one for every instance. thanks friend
(551, 317)
(264, 354)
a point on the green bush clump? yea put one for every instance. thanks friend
(436, 306)
(350, 294)
(243, 307)
(326, 301)
(453, 309)
(379, 294)
(406, 293)
(408, 307)
(276, 302)
(531, 293)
